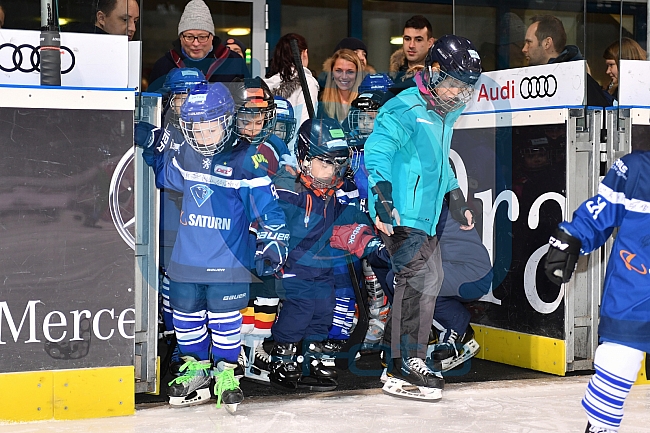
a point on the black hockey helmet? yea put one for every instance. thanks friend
(253, 102)
(452, 63)
(322, 139)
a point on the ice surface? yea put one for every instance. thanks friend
(540, 405)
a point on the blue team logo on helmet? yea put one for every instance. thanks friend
(206, 118)
(285, 121)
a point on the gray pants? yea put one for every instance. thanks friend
(416, 261)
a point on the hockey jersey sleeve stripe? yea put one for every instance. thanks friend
(224, 183)
(614, 197)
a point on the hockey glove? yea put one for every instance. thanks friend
(357, 239)
(384, 208)
(272, 249)
(145, 134)
(458, 207)
(562, 256)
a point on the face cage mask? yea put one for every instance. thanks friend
(362, 122)
(284, 130)
(341, 165)
(206, 131)
(173, 116)
(267, 128)
(439, 83)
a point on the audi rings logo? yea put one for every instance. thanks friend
(26, 58)
(538, 87)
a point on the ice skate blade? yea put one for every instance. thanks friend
(402, 389)
(200, 396)
(231, 408)
(311, 384)
(384, 376)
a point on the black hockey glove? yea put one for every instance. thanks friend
(384, 204)
(458, 206)
(562, 256)
(145, 134)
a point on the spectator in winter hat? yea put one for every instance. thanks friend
(198, 47)
(237, 46)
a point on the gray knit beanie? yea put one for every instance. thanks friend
(196, 16)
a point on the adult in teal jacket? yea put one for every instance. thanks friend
(407, 157)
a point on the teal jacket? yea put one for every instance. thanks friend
(409, 147)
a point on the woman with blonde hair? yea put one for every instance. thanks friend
(628, 49)
(344, 74)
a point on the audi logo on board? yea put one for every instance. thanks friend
(538, 87)
(26, 58)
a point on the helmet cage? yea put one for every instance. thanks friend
(362, 122)
(202, 135)
(248, 114)
(439, 84)
(340, 163)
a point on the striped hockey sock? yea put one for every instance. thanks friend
(226, 335)
(616, 368)
(192, 334)
(343, 319)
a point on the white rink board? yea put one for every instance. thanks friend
(529, 88)
(99, 60)
(634, 83)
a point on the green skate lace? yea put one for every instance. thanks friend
(225, 381)
(190, 369)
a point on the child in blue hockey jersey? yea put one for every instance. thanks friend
(224, 191)
(313, 202)
(623, 202)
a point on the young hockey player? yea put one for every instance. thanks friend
(178, 83)
(623, 202)
(224, 191)
(407, 157)
(360, 121)
(285, 124)
(313, 202)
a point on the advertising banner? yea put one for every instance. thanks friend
(634, 84)
(67, 292)
(87, 60)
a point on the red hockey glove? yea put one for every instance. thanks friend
(354, 238)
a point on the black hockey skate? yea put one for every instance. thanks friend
(595, 429)
(315, 375)
(411, 378)
(192, 386)
(284, 372)
(226, 386)
(453, 351)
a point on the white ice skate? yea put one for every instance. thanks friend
(401, 388)
(255, 359)
(411, 378)
(192, 387)
(226, 387)
(446, 356)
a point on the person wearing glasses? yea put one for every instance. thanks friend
(198, 47)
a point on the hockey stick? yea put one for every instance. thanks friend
(50, 47)
(303, 78)
(345, 358)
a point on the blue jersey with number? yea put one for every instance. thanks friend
(623, 201)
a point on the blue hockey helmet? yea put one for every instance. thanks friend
(285, 121)
(178, 83)
(206, 118)
(323, 140)
(255, 118)
(375, 82)
(452, 63)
